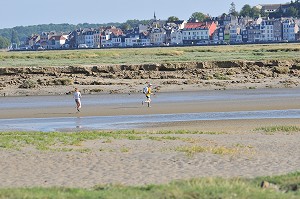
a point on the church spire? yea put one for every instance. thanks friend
(154, 16)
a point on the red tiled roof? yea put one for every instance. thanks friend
(116, 32)
(57, 38)
(192, 25)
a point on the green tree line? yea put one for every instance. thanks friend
(4, 42)
(20, 33)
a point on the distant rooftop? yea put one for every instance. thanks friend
(271, 7)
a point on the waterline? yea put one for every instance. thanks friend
(135, 121)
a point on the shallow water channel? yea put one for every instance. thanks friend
(137, 121)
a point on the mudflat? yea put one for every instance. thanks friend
(226, 148)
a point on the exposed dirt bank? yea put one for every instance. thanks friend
(166, 77)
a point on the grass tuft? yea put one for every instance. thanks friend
(274, 129)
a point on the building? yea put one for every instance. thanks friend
(198, 32)
(97, 38)
(235, 32)
(176, 37)
(289, 30)
(253, 33)
(56, 41)
(88, 36)
(267, 30)
(158, 36)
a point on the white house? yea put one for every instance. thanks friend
(56, 42)
(235, 32)
(289, 30)
(131, 41)
(116, 41)
(97, 38)
(89, 38)
(158, 36)
(267, 30)
(105, 40)
(195, 32)
(176, 37)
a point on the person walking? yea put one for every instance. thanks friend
(77, 97)
(147, 92)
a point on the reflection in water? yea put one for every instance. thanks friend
(134, 121)
(78, 122)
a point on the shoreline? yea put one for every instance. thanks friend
(159, 106)
(155, 161)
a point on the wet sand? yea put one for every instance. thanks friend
(148, 161)
(136, 108)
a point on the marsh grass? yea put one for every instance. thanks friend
(150, 55)
(182, 132)
(241, 188)
(218, 150)
(192, 150)
(125, 150)
(63, 81)
(220, 76)
(28, 84)
(60, 140)
(275, 129)
(281, 69)
(163, 138)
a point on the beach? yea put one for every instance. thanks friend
(233, 148)
(140, 162)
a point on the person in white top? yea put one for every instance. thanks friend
(77, 96)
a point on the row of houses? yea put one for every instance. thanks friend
(218, 30)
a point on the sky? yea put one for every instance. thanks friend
(33, 12)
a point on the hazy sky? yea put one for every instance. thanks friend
(33, 12)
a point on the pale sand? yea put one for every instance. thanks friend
(138, 162)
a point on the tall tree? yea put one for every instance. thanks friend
(126, 26)
(199, 16)
(246, 11)
(292, 12)
(172, 19)
(4, 42)
(14, 37)
(255, 12)
(232, 10)
(263, 13)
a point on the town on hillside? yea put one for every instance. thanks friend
(225, 29)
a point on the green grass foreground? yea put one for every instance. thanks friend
(45, 141)
(285, 186)
(151, 55)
